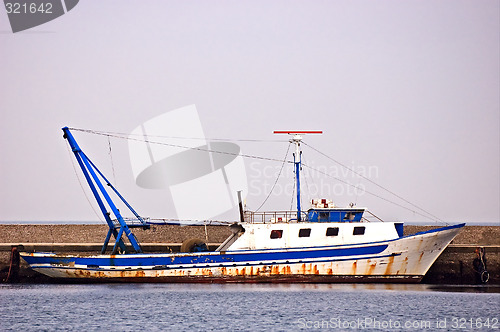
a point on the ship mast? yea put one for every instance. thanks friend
(297, 158)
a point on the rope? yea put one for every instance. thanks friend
(124, 135)
(165, 221)
(111, 157)
(14, 264)
(307, 185)
(174, 145)
(279, 174)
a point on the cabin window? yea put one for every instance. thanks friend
(324, 216)
(360, 230)
(332, 231)
(305, 232)
(276, 233)
(349, 216)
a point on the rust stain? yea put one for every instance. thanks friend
(404, 266)
(371, 268)
(329, 272)
(389, 265)
(316, 271)
(354, 267)
(303, 268)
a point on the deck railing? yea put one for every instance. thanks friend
(291, 216)
(271, 216)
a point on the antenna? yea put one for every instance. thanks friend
(297, 157)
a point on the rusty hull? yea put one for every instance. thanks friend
(404, 260)
(307, 273)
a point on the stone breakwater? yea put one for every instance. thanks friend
(97, 233)
(453, 266)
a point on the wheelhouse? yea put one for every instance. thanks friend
(335, 214)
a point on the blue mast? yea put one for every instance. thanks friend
(297, 159)
(89, 171)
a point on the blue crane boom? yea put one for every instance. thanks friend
(92, 173)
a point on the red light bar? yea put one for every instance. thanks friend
(297, 132)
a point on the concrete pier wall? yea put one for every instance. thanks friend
(454, 266)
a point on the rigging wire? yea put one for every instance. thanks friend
(124, 135)
(277, 178)
(111, 157)
(370, 193)
(127, 137)
(186, 222)
(435, 218)
(81, 186)
(176, 145)
(307, 185)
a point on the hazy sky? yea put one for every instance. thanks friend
(406, 92)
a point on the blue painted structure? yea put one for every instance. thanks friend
(92, 173)
(297, 161)
(334, 215)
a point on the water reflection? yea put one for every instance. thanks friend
(237, 307)
(239, 287)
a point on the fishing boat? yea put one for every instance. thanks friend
(326, 243)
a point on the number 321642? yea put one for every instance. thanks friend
(28, 8)
(463, 323)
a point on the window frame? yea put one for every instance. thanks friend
(305, 232)
(323, 216)
(359, 230)
(333, 229)
(276, 234)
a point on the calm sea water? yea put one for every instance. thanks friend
(244, 307)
